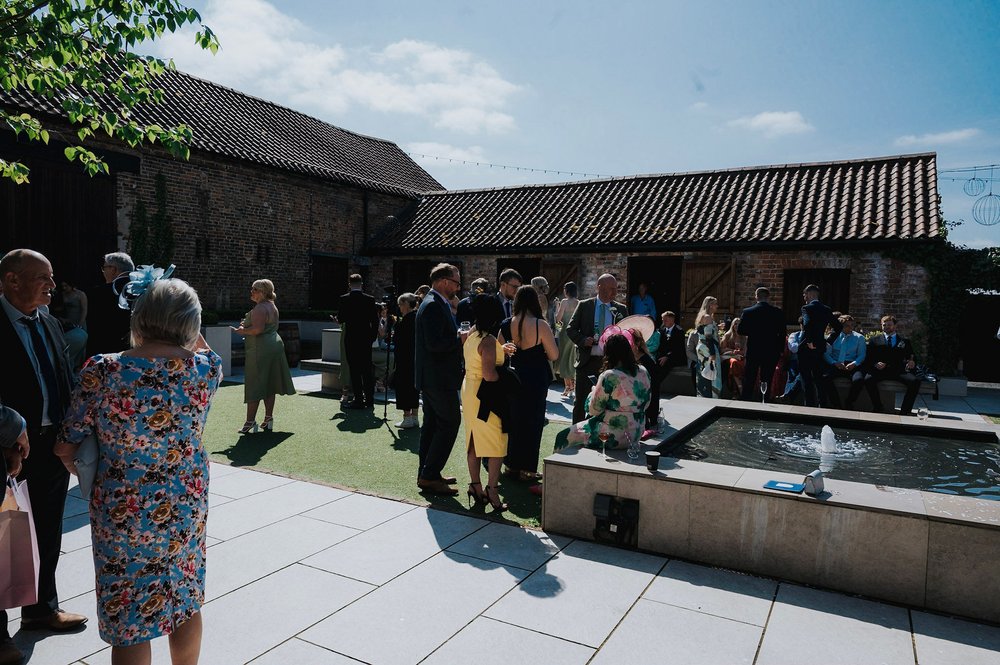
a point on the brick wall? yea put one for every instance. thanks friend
(236, 222)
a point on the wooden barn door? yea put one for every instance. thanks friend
(708, 277)
(558, 273)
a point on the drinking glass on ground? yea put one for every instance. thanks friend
(923, 413)
(763, 391)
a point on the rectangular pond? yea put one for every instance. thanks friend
(963, 463)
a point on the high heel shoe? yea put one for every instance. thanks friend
(498, 505)
(248, 427)
(476, 496)
(268, 424)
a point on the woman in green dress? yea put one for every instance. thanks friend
(266, 372)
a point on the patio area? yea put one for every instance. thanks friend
(306, 573)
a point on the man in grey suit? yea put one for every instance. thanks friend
(438, 375)
(36, 382)
(591, 318)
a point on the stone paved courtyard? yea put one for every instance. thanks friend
(308, 574)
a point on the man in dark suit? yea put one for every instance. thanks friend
(438, 375)
(36, 381)
(815, 318)
(671, 353)
(763, 325)
(107, 323)
(358, 314)
(891, 356)
(510, 282)
(465, 312)
(589, 320)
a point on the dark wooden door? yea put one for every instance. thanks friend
(558, 273)
(703, 278)
(327, 280)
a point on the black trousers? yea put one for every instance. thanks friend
(359, 360)
(48, 481)
(591, 367)
(811, 368)
(911, 382)
(442, 417)
(857, 378)
(751, 383)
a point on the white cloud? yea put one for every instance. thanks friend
(698, 106)
(443, 150)
(940, 138)
(774, 123)
(270, 54)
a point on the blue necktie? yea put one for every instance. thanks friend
(506, 308)
(51, 386)
(604, 317)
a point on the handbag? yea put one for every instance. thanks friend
(87, 454)
(18, 548)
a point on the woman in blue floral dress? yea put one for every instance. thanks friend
(147, 407)
(617, 402)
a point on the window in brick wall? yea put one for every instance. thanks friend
(834, 289)
(328, 279)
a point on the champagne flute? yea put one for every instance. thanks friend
(763, 392)
(603, 436)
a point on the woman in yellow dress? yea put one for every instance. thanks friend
(483, 438)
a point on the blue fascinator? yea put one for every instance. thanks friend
(139, 281)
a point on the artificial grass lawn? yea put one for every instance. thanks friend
(315, 440)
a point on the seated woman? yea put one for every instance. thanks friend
(733, 345)
(617, 403)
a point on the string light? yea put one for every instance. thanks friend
(526, 169)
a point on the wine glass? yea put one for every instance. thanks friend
(603, 436)
(763, 392)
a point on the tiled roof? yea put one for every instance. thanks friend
(230, 123)
(860, 201)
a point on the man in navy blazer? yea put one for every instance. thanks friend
(591, 318)
(891, 356)
(36, 381)
(438, 375)
(359, 314)
(815, 318)
(764, 327)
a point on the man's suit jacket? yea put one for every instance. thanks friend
(894, 357)
(465, 312)
(438, 353)
(581, 325)
(763, 325)
(815, 318)
(107, 323)
(358, 311)
(672, 346)
(19, 385)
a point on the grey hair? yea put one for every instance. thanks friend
(120, 260)
(169, 311)
(409, 298)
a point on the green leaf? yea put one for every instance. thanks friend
(70, 153)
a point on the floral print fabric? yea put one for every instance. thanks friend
(149, 505)
(617, 406)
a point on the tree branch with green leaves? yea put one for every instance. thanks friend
(79, 56)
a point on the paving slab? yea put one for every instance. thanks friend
(498, 643)
(656, 634)
(360, 511)
(257, 618)
(238, 517)
(722, 593)
(75, 532)
(405, 620)
(947, 641)
(380, 554)
(239, 483)
(244, 559)
(75, 573)
(44, 648)
(581, 594)
(299, 652)
(842, 630)
(216, 470)
(75, 506)
(511, 545)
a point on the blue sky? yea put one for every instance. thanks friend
(629, 87)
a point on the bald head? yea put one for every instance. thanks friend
(607, 287)
(27, 279)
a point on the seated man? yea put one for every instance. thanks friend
(844, 357)
(793, 381)
(891, 357)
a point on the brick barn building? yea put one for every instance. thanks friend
(270, 192)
